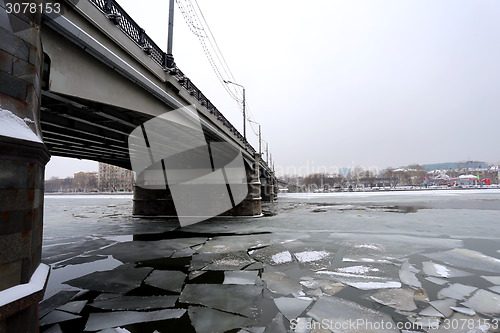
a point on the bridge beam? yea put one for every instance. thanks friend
(22, 163)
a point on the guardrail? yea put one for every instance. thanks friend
(117, 14)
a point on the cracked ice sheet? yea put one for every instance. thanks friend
(280, 283)
(220, 261)
(272, 255)
(457, 291)
(335, 312)
(239, 299)
(444, 306)
(399, 299)
(166, 280)
(292, 307)
(366, 277)
(467, 259)
(484, 301)
(99, 321)
(119, 280)
(438, 270)
(407, 275)
(226, 244)
(136, 303)
(240, 277)
(391, 246)
(207, 320)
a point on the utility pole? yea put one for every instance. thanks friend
(170, 58)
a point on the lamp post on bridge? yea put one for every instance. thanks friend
(244, 117)
(260, 136)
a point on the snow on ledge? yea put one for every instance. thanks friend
(15, 127)
(36, 284)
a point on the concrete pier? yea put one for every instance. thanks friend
(22, 163)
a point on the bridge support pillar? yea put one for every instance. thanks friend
(150, 202)
(251, 205)
(267, 190)
(22, 165)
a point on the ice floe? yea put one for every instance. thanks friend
(207, 320)
(166, 280)
(338, 314)
(436, 280)
(99, 321)
(120, 280)
(240, 277)
(463, 310)
(457, 291)
(444, 306)
(272, 255)
(292, 307)
(239, 299)
(431, 312)
(136, 303)
(492, 279)
(399, 299)
(57, 316)
(310, 256)
(407, 275)
(277, 325)
(467, 259)
(438, 270)
(484, 301)
(74, 307)
(280, 283)
(220, 261)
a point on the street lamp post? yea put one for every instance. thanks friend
(260, 136)
(244, 117)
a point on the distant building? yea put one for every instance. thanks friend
(84, 182)
(115, 179)
(470, 165)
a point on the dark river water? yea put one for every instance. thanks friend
(424, 261)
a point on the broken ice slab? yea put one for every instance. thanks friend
(292, 307)
(239, 299)
(436, 280)
(407, 275)
(119, 280)
(139, 250)
(365, 277)
(195, 274)
(457, 291)
(311, 256)
(187, 252)
(365, 259)
(484, 301)
(99, 321)
(105, 296)
(277, 325)
(207, 320)
(444, 306)
(166, 280)
(431, 312)
(492, 279)
(240, 277)
(463, 310)
(220, 261)
(254, 266)
(399, 299)
(227, 244)
(328, 287)
(55, 301)
(273, 255)
(495, 289)
(136, 303)
(74, 307)
(467, 259)
(280, 283)
(57, 316)
(438, 270)
(337, 312)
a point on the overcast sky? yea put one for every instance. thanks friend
(347, 83)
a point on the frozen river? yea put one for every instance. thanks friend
(423, 261)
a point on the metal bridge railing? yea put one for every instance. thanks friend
(117, 14)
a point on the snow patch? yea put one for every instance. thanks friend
(15, 127)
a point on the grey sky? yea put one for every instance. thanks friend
(346, 83)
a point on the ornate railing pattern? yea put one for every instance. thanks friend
(117, 14)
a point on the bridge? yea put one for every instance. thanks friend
(79, 84)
